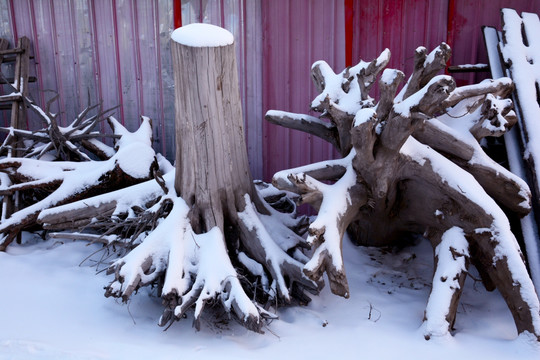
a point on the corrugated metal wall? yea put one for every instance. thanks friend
(118, 50)
(296, 34)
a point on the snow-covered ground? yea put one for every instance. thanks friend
(52, 308)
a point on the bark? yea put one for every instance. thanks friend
(213, 171)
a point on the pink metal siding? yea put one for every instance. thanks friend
(118, 50)
(296, 34)
(398, 26)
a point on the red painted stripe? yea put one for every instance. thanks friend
(450, 25)
(349, 16)
(177, 13)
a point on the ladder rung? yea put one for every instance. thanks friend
(11, 51)
(10, 80)
(10, 97)
(12, 59)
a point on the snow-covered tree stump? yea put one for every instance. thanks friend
(412, 163)
(219, 221)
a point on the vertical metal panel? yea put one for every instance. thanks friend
(296, 34)
(6, 32)
(400, 26)
(66, 54)
(166, 117)
(253, 85)
(127, 61)
(83, 45)
(103, 14)
(148, 61)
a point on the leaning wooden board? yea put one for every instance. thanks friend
(515, 52)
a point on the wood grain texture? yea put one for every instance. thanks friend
(212, 172)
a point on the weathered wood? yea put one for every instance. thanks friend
(519, 51)
(444, 187)
(513, 145)
(305, 123)
(76, 218)
(212, 172)
(4, 44)
(468, 68)
(10, 204)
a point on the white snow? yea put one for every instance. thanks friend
(472, 66)
(350, 101)
(445, 280)
(364, 115)
(54, 309)
(275, 255)
(388, 76)
(335, 202)
(507, 246)
(202, 35)
(404, 107)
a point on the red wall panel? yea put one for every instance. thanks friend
(296, 34)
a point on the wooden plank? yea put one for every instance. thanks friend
(519, 50)
(6, 33)
(9, 80)
(10, 51)
(472, 68)
(512, 140)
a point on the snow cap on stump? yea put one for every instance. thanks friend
(202, 35)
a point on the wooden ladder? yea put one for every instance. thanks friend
(14, 101)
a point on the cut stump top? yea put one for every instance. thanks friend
(202, 35)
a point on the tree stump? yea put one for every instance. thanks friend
(199, 232)
(212, 169)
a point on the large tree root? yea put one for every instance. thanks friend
(413, 164)
(197, 269)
